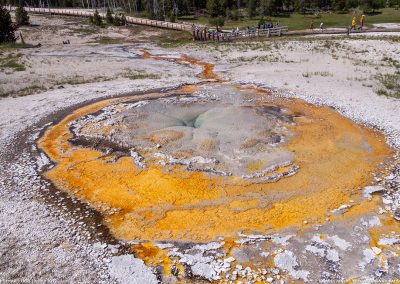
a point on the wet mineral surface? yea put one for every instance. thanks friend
(220, 181)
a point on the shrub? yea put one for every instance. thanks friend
(109, 17)
(96, 19)
(21, 16)
(232, 14)
(390, 84)
(251, 8)
(7, 28)
(218, 22)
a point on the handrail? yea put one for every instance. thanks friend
(129, 19)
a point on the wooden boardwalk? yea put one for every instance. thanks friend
(202, 34)
(131, 20)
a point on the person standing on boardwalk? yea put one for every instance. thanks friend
(353, 23)
(312, 25)
(362, 22)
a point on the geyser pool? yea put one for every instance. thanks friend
(214, 162)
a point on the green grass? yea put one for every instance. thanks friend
(84, 30)
(297, 21)
(390, 85)
(138, 75)
(108, 40)
(393, 62)
(11, 61)
(24, 92)
(10, 45)
(77, 80)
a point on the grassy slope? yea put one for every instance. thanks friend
(298, 22)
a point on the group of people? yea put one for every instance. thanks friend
(264, 26)
(321, 25)
(268, 26)
(353, 24)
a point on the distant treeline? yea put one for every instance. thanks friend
(233, 9)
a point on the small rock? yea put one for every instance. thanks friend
(390, 177)
(376, 250)
(369, 190)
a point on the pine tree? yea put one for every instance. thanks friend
(7, 28)
(117, 21)
(21, 16)
(123, 20)
(213, 8)
(266, 7)
(251, 8)
(96, 19)
(217, 22)
(109, 17)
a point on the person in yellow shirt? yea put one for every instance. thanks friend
(353, 23)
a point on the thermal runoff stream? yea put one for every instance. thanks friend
(215, 164)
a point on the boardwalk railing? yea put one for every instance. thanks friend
(204, 35)
(198, 32)
(131, 20)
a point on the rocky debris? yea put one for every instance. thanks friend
(391, 197)
(325, 251)
(369, 256)
(128, 269)
(287, 261)
(281, 240)
(248, 239)
(371, 222)
(389, 241)
(138, 160)
(339, 242)
(203, 260)
(369, 190)
(342, 209)
(42, 162)
(263, 176)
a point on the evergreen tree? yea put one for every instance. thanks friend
(374, 4)
(234, 14)
(117, 21)
(339, 5)
(109, 17)
(217, 22)
(21, 16)
(7, 28)
(213, 8)
(123, 20)
(96, 19)
(251, 8)
(266, 7)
